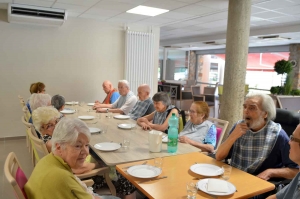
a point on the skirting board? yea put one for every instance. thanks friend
(13, 138)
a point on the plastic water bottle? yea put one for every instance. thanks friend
(173, 134)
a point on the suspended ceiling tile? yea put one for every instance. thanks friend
(131, 17)
(90, 16)
(86, 3)
(212, 17)
(294, 10)
(176, 15)
(34, 3)
(268, 15)
(70, 7)
(275, 4)
(215, 4)
(195, 10)
(101, 12)
(109, 5)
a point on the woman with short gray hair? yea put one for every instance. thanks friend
(58, 102)
(70, 148)
(160, 117)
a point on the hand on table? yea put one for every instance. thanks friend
(265, 175)
(184, 139)
(145, 126)
(100, 110)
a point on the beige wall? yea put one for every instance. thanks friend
(72, 60)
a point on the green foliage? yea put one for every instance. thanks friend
(283, 66)
(295, 92)
(276, 90)
(287, 88)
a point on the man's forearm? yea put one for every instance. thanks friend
(224, 148)
(287, 173)
(116, 111)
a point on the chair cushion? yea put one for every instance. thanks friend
(219, 131)
(287, 119)
(21, 180)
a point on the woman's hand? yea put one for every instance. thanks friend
(184, 139)
(145, 126)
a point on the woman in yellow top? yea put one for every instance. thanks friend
(52, 177)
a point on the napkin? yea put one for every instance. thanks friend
(216, 185)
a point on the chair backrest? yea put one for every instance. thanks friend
(26, 113)
(289, 102)
(29, 125)
(22, 102)
(211, 90)
(196, 90)
(39, 147)
(220, 124)
(287, 119)
(15, 175)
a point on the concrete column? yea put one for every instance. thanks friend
(192, 65)
(237, 40)
(295, 56)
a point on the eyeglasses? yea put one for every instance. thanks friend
(51, 125)
(294, 139)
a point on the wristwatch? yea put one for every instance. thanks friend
(107, 110)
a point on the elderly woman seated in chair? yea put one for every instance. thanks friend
(52, 177)
(160, 117)
(198, 131)
(45, 120)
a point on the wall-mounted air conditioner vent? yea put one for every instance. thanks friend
(273, 37)
(36, 15)
(213, 43)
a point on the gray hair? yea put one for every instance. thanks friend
(267, 104)
(67, 130)
(163, 97)
(125, 82)
(58, 101)
(38, 100)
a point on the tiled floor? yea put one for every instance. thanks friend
(19, 147)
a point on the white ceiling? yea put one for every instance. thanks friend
(189, 22)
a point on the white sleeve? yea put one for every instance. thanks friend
(129, 104)
(114, 105)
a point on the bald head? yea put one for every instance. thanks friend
(107, 86)
(143, 92)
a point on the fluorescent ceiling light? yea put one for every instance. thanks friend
(145, 10)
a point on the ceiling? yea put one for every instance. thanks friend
(189, 23)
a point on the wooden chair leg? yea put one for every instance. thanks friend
(110, 184)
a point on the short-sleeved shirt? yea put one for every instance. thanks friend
(205, 132)
(292, 190)
(278, 157)
(114, 97)
(142, 108)
(125, 103)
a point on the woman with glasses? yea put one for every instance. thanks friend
(53, 177)
(198, 131)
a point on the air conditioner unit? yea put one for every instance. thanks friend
(25, 14)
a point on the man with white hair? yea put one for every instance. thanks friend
(124, 103)
(258, 145)
(144, 106)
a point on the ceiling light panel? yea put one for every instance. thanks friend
(148, 11)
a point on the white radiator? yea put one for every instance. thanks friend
(139, 59)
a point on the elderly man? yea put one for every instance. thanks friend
(258, 145)
(292, 190)
(111, 93)
(123, 104)
(145, 104)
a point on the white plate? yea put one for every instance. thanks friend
(144, 171)
(206, 169)
(86, 117)
(68, 111)
(126, 126)
(90, 104)
(122, 117)
(94, 130)
(165, 138)
(202, 185)
(71, 103)
(107, 146)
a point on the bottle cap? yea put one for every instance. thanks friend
(173, 114)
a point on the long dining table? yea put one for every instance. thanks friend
(139, 144)
(176, 172)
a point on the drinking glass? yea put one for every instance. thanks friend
(226, 172)
(98, 115)
(126, 143)
(191, 189)
(109, 115)
(104, 129)
(158, 162)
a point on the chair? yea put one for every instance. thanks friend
(22, 102)
(26, 113)
(15, 175)
(287, 119)
(221, 129)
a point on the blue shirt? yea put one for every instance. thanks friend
(114, 97)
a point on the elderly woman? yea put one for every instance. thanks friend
(44, 121)
(52, 177)
(58, 102)
(160, 117)
(37, 87)
(38, 100)
(198, 131)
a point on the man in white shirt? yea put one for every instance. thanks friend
(124, 103)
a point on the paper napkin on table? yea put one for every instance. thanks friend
(216, 185)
